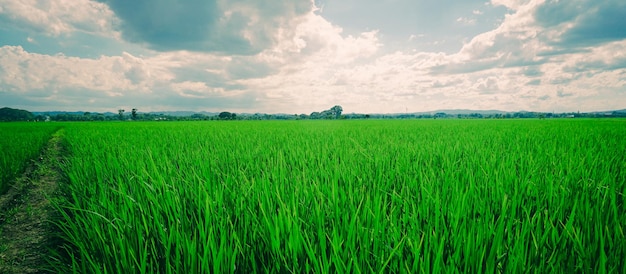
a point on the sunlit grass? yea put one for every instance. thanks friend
(346, 196)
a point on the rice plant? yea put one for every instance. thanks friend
(19, 143)
(346, 196)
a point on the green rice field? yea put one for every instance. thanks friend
(19, 143)
(361, 196)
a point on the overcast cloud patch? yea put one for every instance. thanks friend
(232, 27)
(533, 71)
(585, 23)
(535, 82)
(561, 93)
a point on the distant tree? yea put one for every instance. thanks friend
(440, 115)
(87, 116)
(120, 112)
(198, 116)
(327, 114)
(11, 114)
(225, 115)
(133, 113)
(336, 111)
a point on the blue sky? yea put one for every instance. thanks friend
(278, 56)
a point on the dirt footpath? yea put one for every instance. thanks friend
(27, 234)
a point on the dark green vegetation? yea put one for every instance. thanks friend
(345, 196)
(10, 114)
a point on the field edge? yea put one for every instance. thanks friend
(28, 235)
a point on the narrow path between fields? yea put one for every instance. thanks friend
(26, 231)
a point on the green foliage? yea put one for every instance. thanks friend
(427, 196)
(20, 142)
(225, 115)
(120, 114)
(332, 113)
(10, 114)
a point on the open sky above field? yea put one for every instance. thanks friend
(276, 56)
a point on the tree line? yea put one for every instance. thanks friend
(335, 112)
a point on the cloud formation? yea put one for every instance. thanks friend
(58, 17)
(229, 27)
(583, 23)
(291, 57)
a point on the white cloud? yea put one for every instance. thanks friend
(510, 4)
(466, 20)
(309, 59)
(314, 37)
(59, 16)
(158, 82)
(414, 37)
(25, 72)
(314, 72)
(195, 89)
(310, 64)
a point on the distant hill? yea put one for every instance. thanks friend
(57, 112)
(466, 111)
(168, 113)
(621, 110)
(183, 113)
(11, 114)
